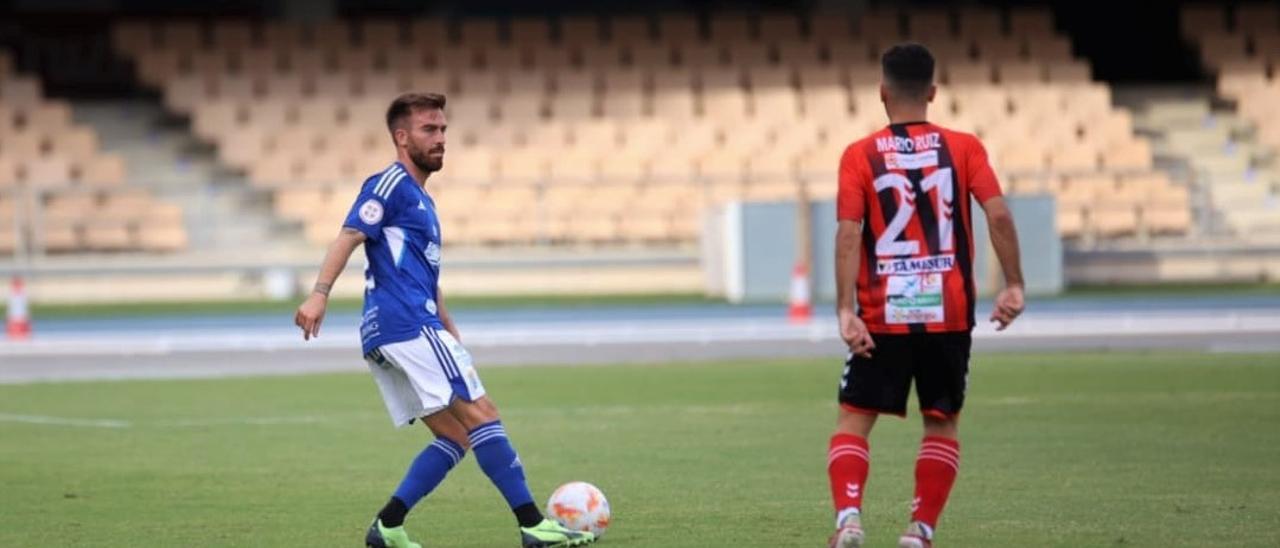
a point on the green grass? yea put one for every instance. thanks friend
(1122, 449)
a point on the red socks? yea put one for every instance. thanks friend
(936, 469)
(847, 463)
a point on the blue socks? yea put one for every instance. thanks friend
(499, 461)
(428, 470)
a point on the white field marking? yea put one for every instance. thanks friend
(64, 421)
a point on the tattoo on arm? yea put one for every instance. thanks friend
(322, 288)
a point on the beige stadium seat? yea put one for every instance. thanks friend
(645, 228)
(728, 28)
(429, 33)
(1133, 155)
(1163, 219)
(360, 60)
(504, 58)
(772, 191)
(850, 53)
(334, 34)
(1000, 48)
(553, 58)
(923, 25)
(580, 30)
(1254, 18)
(524, 108)
(8, 174)
(455, 58)
(772, 164)
(183, 93)
(1196, 20)
(25, 145)
(382, 86)
(61, 236)
(623, 168)
(530, 32)
(181, 35)
(949, 50)
(830, 28)
(471, 165)
(1111, 221)
(723, 165)
(677, 104)
(573, 106)
(1031, 21)
(47, 172)
(646, 136)
(1020, 72)
(217, 118)
(552, 134)
(1069, 72)
(750, 55)
(968, 73)
(1217, 49)
(165, 236)
(274, 170)
(1074, 157)
(286, 87)
(882, 26)
(479, 31)
(76, 144)
(21, 92)
(468, 109)
(328, 169)
(527, 81)
(127, 203)
(725, 104)
(630, 29)
(603, 57)
(780, 104)
(577, 81)
(384, 34)
(8, 240)
(298, 203)
(575, 165)
(676, 165)
(1021, 156)
(102, 170)
(232, 34)
(779, 27)
(827, 102)
(157, 66)
(131, 37)
(621, 105)
(864, 76)
(109, 235)
(799, 54)
(243, 147)
(678, 29)
(71, 205)
(261, 63)
(281, 35)
(603, 134)
(478, 82)
(979, 21)
(238, 87)
(650, 56)
(1050, 49)
(1070, 220)
(769, 78)
(521, 166)
(1038, 100)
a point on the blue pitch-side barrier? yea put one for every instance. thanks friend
(750, 249)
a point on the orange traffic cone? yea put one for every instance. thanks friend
(18, 320)
(800, 309)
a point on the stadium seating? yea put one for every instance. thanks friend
(1240, 46)
(59, 192)
(572, 127)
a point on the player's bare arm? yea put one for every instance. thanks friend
(848, 250)
(1004, 238)
(311, 313)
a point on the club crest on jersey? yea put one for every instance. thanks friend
(371, 212)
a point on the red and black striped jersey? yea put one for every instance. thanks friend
(909, 184)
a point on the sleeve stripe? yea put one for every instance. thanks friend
(388, 175)
(386, 192)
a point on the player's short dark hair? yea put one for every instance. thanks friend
(908, 70)
(406, 103)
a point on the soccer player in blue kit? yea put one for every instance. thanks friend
(410, 342)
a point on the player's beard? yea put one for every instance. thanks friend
(426, 162)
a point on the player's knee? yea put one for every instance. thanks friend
(941, 424)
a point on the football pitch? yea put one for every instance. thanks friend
(1110, 449)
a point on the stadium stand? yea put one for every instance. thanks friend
(583, 130)
(1240, 47)
(61, 192)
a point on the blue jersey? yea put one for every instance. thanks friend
(402, 248)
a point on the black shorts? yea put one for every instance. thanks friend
(939, 363)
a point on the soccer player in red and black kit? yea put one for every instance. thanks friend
(905, 242)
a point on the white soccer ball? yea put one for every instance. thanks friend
(580, 506)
